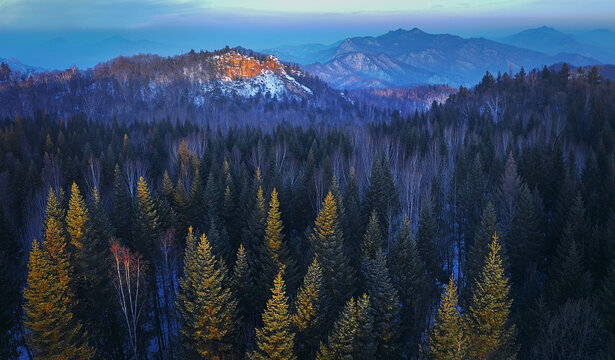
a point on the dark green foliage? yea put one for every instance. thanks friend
(122, 213)
(309, 311)
(327, 241)
(480, 247)
(426, 238)
(409, 278)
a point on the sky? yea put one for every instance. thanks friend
(176, 26)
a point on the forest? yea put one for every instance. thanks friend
(480, 228)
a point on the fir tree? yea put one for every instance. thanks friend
(372, 240)
(76, 219)
(446, 339)
(278, 256)
(569, 279)
(327, 241)
(275, 340)
(242, 284)
(426, 241)
(487, 325)
(49, 298)
(480, 247)
(210, 324)
(146, 221)
(309, 311)
(384, 302)
(410, 281)
(524, 242)
(352, 228)
(508, 193)
(351, 337)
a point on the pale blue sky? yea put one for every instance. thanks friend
(58, 33)
(97, 14)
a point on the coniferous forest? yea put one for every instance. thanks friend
(480, 228)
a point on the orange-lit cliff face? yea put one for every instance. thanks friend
(236, 66)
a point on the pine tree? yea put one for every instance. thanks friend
(409, 278)
(243, 283)
(206, 303)
(278, 256)
(525, 241)
(372, 240)
(351, 337)
(146, 221)
(309, 311)
(384, 302)
(275, 340)
(508, 193)
(253, 238)
(76, 218)
(426, 241)
(569, 279)
(49, 298)
(10, 264)
(487, 326)
(327, 242)
(446, 339)
(353, 231)
(480, 247)
(97, 287)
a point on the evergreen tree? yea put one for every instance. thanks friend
(480, 247)
(426, 237)
(278, 256)
(122, 213)
(487, 326)
(446, 339)
(606, 303)
(9, 289)
(410, 281)
(569, 279)
(309, 311)
(275, 340)
(54, 331)
(210, 310)
(353, 231)
(76, 219)
(351, 337)
(524, 242)
(242, 282)
(98, 290)
(508, 193)
(384, 302)
(327, 242)
(146, 220)
(372, 240)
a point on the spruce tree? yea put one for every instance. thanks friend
(327, 242)
(372, 240)
(410, 280)
(606, 303)
(243, 283)
(384, 303)
(426, 237)
(353, 230)
(210, 309)
(146, 221)
(278, 255)
(275, 340)
(351, 336)
(490, 335)
(54, 331)
(480, 247)
(525, 240)
(76, 219)
(309, 311)
(97, 286)
(446, 339)
(569, 278)
(508, 193)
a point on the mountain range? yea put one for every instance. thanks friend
(403, 58)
